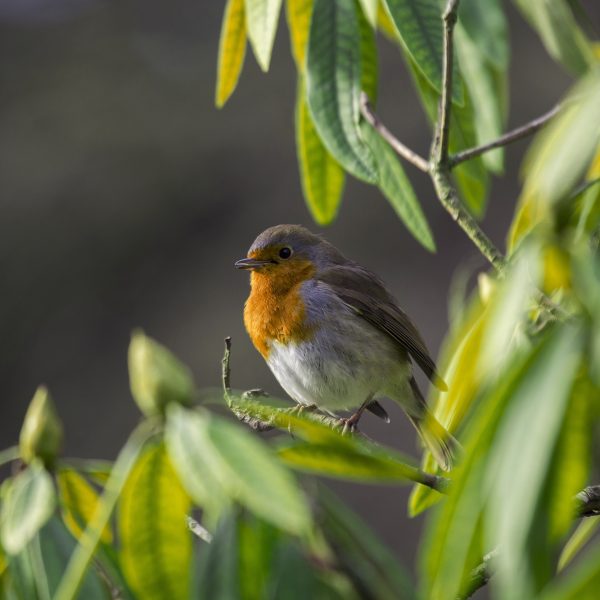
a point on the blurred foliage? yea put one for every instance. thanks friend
(523, 370)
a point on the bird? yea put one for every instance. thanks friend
(333, 336)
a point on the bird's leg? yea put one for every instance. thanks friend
(298, 410)
(351, 422)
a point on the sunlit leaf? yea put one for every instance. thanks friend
(558, 29)
(360, 553)
(581, 536)
(563, 151)
(419, 27)
(370, 8)
(529, 214)
(156, 546)
(262, 17)
(78, 501)
(298, 17)
(28, 505)
(368, 57)
(397, 188)
(232, 50)
(321, 175)
(521, 464)
(243, 466)
(333, 81)
(352, 463)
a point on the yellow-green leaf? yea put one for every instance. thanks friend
(78, 500)
(580, 537)
(156, 546)
(262, 17)
(298, 17)
(232, 50)
(370, 8)
(321, 175)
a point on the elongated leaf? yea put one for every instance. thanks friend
(582, 583)
(558, 29)
(471, 176)
(29, 504)
(298, 14)
(349, 463)
(232, 50)
(243, 466)
(563, 151)
(368, 58)
(333, 81)
(397, 188)
(262, 17)
(79, 501)
(533, 417)
(321, 176)
(419, 27)
(360, 553)
(581, 536)
(156, 546)
(369, 9)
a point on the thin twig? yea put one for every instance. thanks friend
(508, 138)
(226, 369)
(404, 151)
(442, 133)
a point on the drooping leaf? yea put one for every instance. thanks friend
(581, 536)
(350, 463)
(368, 57)
(232, 50)
(321, 175)
(397, 188)
(78, 501)
(298, 14)
(524, 468)
(360, 553)
(369, 9)
(419, 27)
(262, 17)
(530, 213)
(333, 81)
(244, 467)
(156, 545)
(562, 152)
(560, 33)
(28, 505)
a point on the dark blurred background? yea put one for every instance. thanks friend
(126, 197)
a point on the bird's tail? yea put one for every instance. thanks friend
(442, 445)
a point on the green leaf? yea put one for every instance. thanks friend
(333, 81)
(471, 176)
(244, 467)
(482, 49)
(360, 553)
(369, 9)
(156, 546)
(79, 501)
(262, 17)
(368, 57)
(514, 521)
(580, 583)
(232, 50)
(321, 176)
(29, 504)
(397, 188)
(298, 14)
(351, 463)
(563, 151)
(420, 30)
(560, 34)
(581, 536)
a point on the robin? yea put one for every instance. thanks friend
(332, 334)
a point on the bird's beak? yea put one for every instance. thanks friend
(249, 264)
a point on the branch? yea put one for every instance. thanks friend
(508, 138)
(442, 134)
(404, 151)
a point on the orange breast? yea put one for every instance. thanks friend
(275, 309)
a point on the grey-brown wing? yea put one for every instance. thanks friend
(367, 296)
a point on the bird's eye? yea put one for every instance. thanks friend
(285, 253)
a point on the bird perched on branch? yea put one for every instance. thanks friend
(332, 334)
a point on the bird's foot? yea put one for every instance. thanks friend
(298, 410)
(350, 424)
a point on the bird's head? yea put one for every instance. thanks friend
(288, 254)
